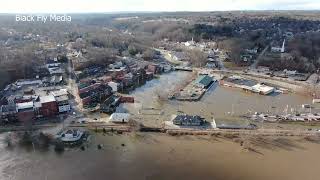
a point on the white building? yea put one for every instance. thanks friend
(27, 82)
(263, 89)
(114, 86)
(119, 117)
(25, 106)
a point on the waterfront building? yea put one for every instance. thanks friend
(203, 81)
(119, 117)
(49, 106)
(263, 89)
(188, 120)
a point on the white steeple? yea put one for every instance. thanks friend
(283, 44)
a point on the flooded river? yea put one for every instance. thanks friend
(139, 156)
(221, 103)
(162, 157)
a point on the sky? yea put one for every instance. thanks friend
(87, 6)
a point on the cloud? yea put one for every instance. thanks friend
(54, 6)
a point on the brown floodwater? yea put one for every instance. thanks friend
(222, 103)
(160, 157)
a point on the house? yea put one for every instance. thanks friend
(252, 51)
(119, 117)
(203, 81)
(188, 120)
(155, 69)
(49, 106)
(246, 57)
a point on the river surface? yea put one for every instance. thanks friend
(162, 157)
(221, 103)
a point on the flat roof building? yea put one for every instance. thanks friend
(203, 81)
(188, 120)
(119, 117)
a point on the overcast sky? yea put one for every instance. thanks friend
(74, 6)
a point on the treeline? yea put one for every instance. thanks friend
(306, 45)
(18, 64)
(207, 32)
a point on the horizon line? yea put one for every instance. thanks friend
(137, 12)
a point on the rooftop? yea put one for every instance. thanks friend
(47, 99)
(263, 88)
(119, 117)
(26, 105)
(188, 118)
(204, 80)
(61, 92)
(62, 98)
(240, 81)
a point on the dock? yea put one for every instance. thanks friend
(195, 90)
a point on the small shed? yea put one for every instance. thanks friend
(119, 117)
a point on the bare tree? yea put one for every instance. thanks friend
(197, 57)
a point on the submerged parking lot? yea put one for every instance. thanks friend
(223, 104)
